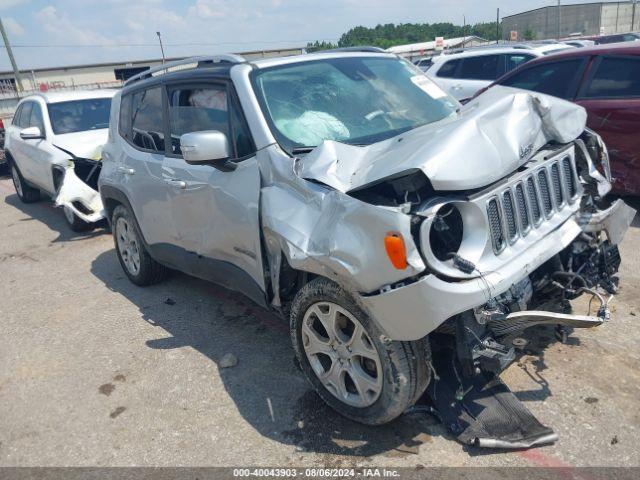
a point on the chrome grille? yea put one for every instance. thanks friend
(513, 211)
(522, 209)
(533, 200)
(555, 181)
(543, 183)
(569, 178)
(509, 214)
(495, 225)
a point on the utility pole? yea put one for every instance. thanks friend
(498, 26)
(559, 8)
(161, 47)
(7, 45)
(464, 30)
(633, 16)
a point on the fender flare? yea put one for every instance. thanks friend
(110, 194)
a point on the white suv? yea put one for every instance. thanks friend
(462, 74)
(54, 145)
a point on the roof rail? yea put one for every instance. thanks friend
(518, 46)
(365, 48)
(199, 61)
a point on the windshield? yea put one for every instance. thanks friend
(79, 115)
(355, 100)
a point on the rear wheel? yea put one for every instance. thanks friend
(25, 192)
(353, 367)
(75, 223)
(132, 252)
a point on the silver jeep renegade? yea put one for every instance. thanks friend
(409, 240)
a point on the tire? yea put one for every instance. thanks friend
(132, 252)
(26, 193)
(75, 223)
(391, 383)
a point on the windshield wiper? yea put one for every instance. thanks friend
(298, 150)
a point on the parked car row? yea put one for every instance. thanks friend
(405, 237)
(605, 80)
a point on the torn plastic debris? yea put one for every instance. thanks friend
(79, 197)
(489, 138)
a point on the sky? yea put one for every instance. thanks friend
(70, 32)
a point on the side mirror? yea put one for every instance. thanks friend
(209, 147)
(31, 133)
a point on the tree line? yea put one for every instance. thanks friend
(390, 34)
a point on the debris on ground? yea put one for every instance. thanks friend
(117, 412)
(228, 360)
(614, 440)
(106, 389)
(591, 400)
(170, 301)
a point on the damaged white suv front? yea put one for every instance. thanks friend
(54, 146)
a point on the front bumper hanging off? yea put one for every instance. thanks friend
(474, 404)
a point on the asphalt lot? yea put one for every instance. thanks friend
(95, 371)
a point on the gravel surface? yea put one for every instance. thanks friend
(95, 371)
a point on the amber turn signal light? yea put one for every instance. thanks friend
(394, 245)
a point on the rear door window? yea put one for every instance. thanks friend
(615, 77)
(147, 120)
(448, 70)
(559, 79)
(482, 67)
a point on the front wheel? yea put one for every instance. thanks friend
(354, 368)
(25, 192)
(75, 223)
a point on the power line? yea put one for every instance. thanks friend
(189, 44)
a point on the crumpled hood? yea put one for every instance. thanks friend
(87, 144)
(490, 137)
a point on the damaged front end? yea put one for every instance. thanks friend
(504, 218)
(553, 236)
(76, 186)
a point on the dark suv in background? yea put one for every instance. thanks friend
(605, 80)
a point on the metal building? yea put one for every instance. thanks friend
(87, 77)
(600, 18)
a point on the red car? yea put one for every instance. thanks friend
(605, 80)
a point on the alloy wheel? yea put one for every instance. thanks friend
(342, 354)
(128, 246)
(16, 180)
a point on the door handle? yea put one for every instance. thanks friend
(176, 183)
(126, 171)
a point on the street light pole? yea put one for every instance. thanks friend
(464, 30)
(7, 45)
(559, 9)
(161, 47)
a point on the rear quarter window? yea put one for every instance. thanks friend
(615, 77)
